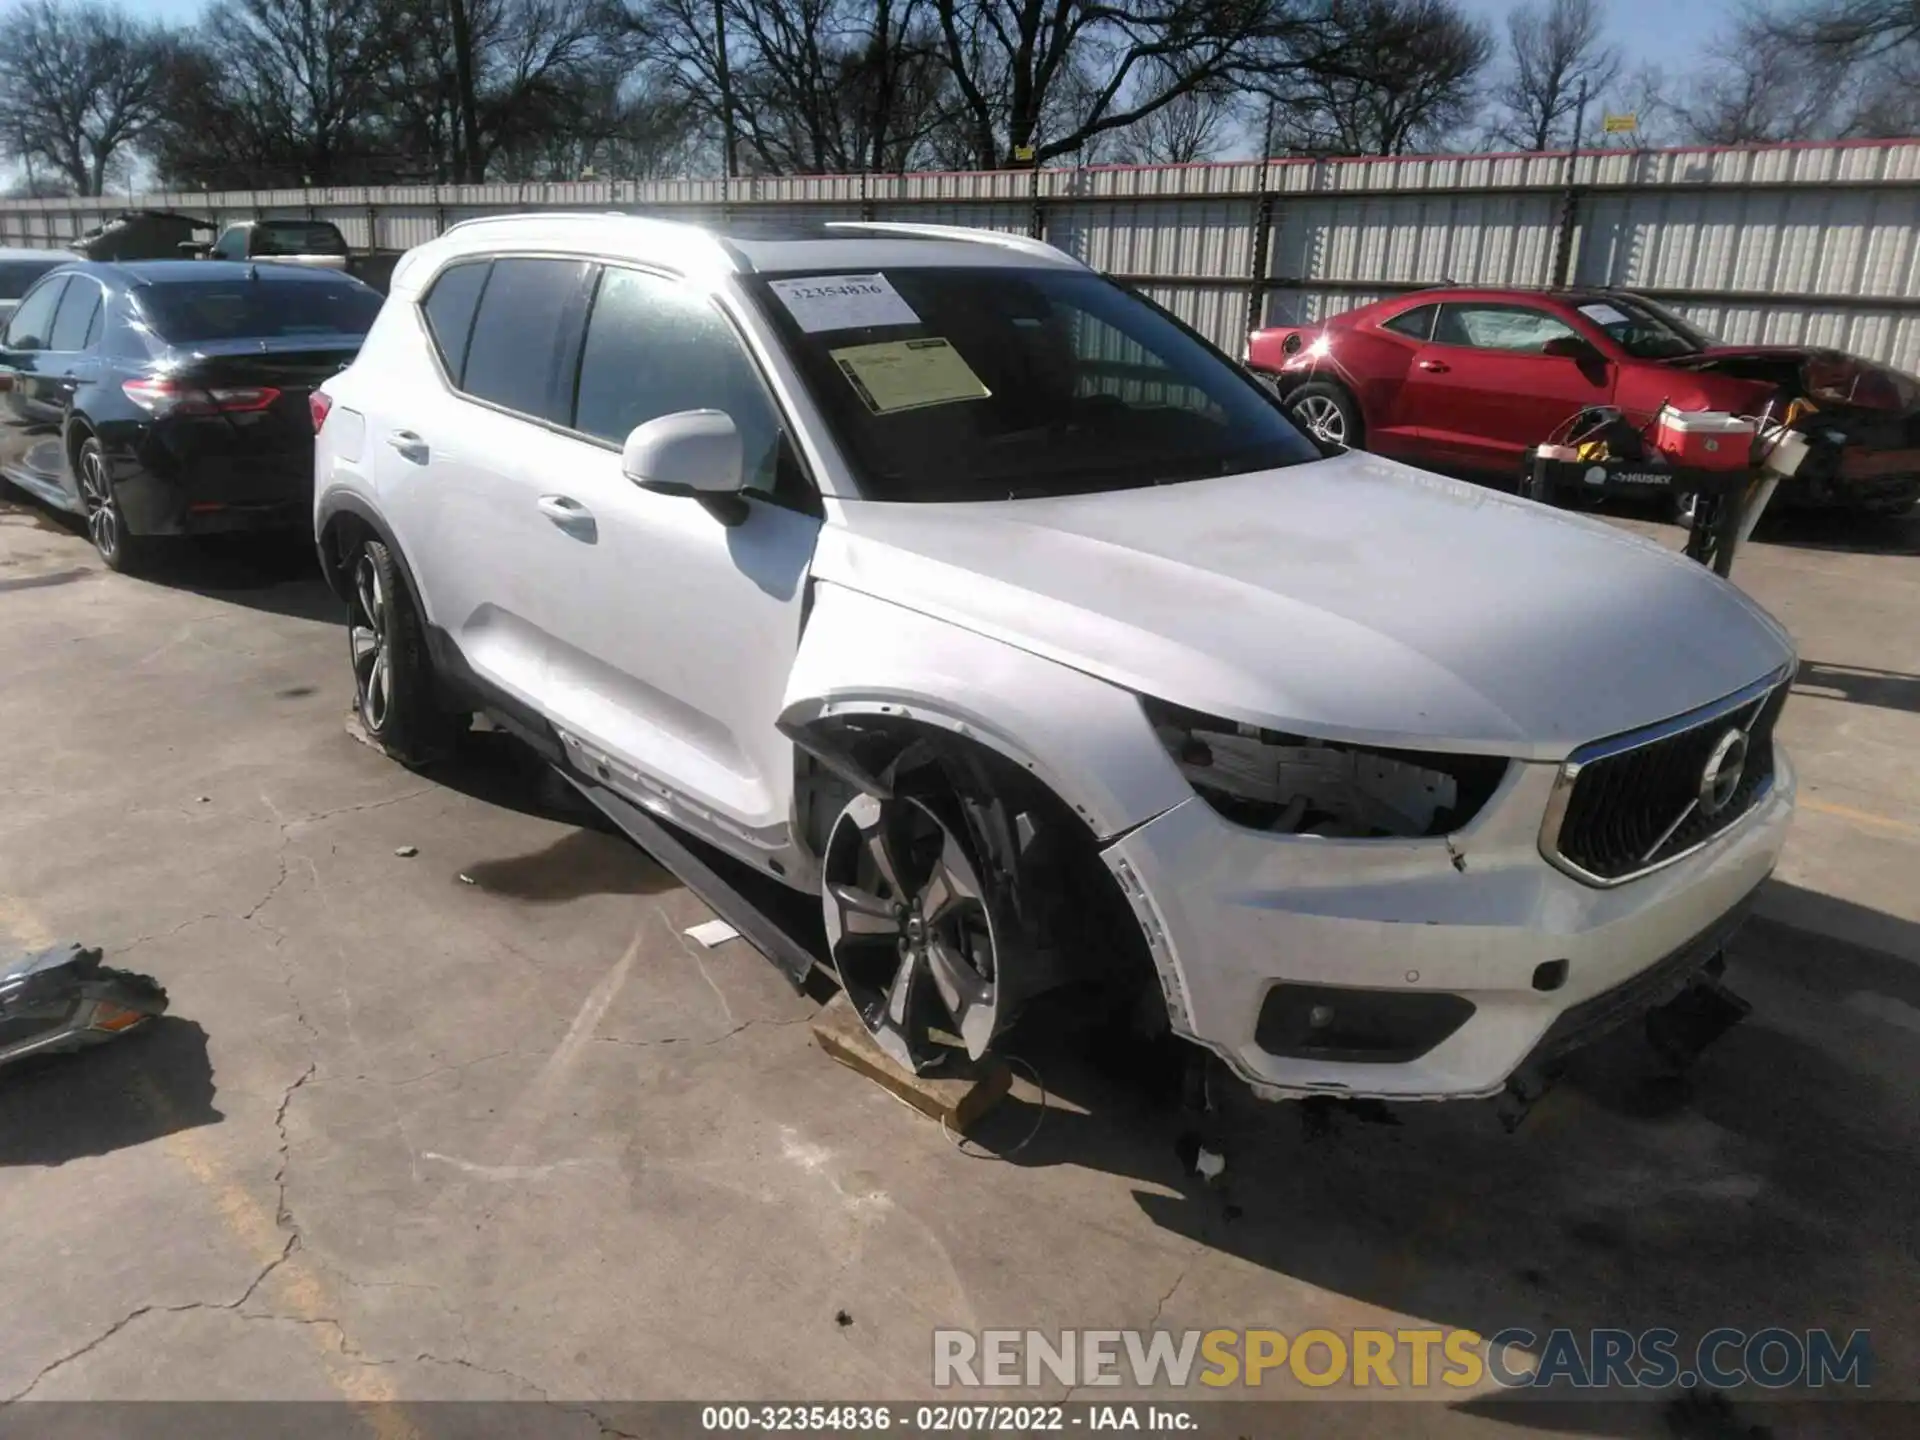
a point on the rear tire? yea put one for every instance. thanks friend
(122, 551)
(1328, 415)
(394, 695)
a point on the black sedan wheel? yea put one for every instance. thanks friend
(106, 525)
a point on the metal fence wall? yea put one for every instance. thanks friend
(1766, 244)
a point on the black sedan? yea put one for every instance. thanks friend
(171, 397)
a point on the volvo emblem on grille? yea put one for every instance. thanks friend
(1721, 777)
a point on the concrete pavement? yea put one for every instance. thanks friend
(405, 1136)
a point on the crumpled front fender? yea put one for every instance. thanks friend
(1086, 740)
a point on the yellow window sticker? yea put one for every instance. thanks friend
(908, 374)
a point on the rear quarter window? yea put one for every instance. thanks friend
(1415, 324)
(450, 307)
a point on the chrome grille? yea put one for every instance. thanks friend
(1628, 805)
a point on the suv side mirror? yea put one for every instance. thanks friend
(1571, 347)
(194, 249)
(691, 453)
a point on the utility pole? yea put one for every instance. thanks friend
(1579, 120)
(724, 75)
(1562, 261)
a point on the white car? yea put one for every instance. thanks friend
(933, 574)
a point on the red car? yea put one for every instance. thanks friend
(1471, 380)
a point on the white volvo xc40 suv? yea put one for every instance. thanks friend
(939, 577)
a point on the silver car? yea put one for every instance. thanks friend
(928, 572)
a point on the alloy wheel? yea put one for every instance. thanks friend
(367, 638)
(911, 935)
(96, 493)
(1323, 418)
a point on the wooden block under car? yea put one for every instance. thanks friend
(959, 1096)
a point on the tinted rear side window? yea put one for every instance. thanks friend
(75, 316)
(183, 312)
(1415, 324)
(282, 238)
(519, 346)
(17, 276)
(449, 308)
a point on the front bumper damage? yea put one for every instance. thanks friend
(1542, 962)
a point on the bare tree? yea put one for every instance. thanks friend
(523, 72)
(80, 83)
(1869, 48)
(1854, 29)
(805, 85)
(1015, 61)
(1557, 52)
(535, 67)
(618, 132)
(1196, 125)
(1381, 77)
(1758, 85)
(270, 92)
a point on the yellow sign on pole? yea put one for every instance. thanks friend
(1620, 124)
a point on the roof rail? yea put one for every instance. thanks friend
(1023, 243)
(539, 215)
(657, 225)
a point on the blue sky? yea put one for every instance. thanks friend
(1662, 31)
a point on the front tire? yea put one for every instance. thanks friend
(393, 686)
(120, 550)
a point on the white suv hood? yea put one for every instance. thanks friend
(1352, 598)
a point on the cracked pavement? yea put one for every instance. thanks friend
(411, 1136)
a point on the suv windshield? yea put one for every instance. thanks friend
(186, 311)
(992, 383)
(17, 276)
(1645, 330)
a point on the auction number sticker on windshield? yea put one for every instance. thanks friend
(843, 302)
(1603, 314)
(908, 374)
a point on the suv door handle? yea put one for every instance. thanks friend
(570, 515)
(410, 446)
(1438, 367)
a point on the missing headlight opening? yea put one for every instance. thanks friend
(1296, 785)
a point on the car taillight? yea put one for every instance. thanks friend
(318, 404)
(170, 397)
